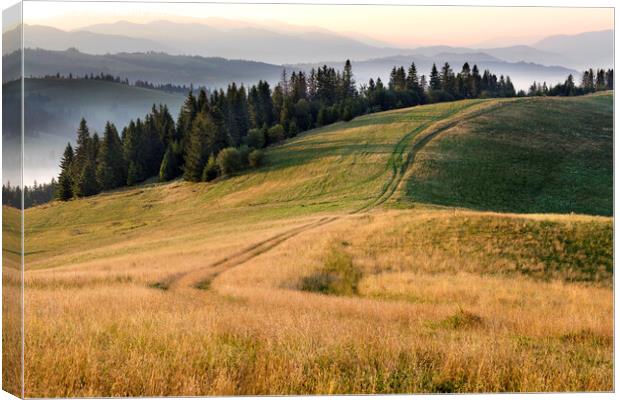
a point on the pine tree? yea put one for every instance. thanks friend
(169, 166)
(266, 103)
(569, 86)
(468, 83)
(186, 117)
(348, 82)
(110, 168)
(447, 78)
(164, 124)
(412, 79)
(510, 89)
(198, 148)
(237, 114)
(202, 103)
(609, 79)
(600, 79)
(278, 100)
(83, 151)
(312, 85)
(134, 152)
(476, 79)
(64, 189)
(283, 82)
(586, 82)
(435, 82)
(153, 147)
(94, 146)
(86, 181)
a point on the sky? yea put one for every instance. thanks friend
(402, 26)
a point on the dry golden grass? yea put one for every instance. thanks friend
(196, 289)
(408, 329)
(11, 302)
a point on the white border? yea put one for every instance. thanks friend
(521, 3)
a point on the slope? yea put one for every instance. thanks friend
(317, 274)
(540, 155)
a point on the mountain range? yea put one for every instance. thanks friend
(278, 43)
(217, 72)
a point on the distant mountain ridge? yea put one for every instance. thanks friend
(280, 43)
(250, 42)
(596, 48)
(152, 67)
(48, 38)
(217, 72)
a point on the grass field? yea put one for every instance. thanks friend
(534, 156)
(364, 257)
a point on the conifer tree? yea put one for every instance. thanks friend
(609, 79)
(153, 147)
(278, 100)
(110, 170)
(169, 166)
(412, 79)
(164, 124)
(202, 103)
(186, 117)
(133, 150)
(476, 78)
(586, 82)
(198, 147)
(312, 85)
(86, 181)
(423, 84)
(83, 150)
(600, 79)
(64, 189)
(348, 82)
(218, 137)
(569, 86)
(447, 78)
(94, 146)
(435, 82)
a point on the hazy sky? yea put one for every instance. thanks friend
(396, 25)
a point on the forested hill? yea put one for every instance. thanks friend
(150, 66)
(222, 132)
(219, 133)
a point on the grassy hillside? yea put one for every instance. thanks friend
(322, 273)
(536, 155)
(340, 168)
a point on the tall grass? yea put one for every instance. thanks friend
(422, 299)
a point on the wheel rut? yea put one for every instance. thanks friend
(400, 161)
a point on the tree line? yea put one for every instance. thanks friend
(221, 132)
(591, 81)
(166, 87)
(33, 195)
